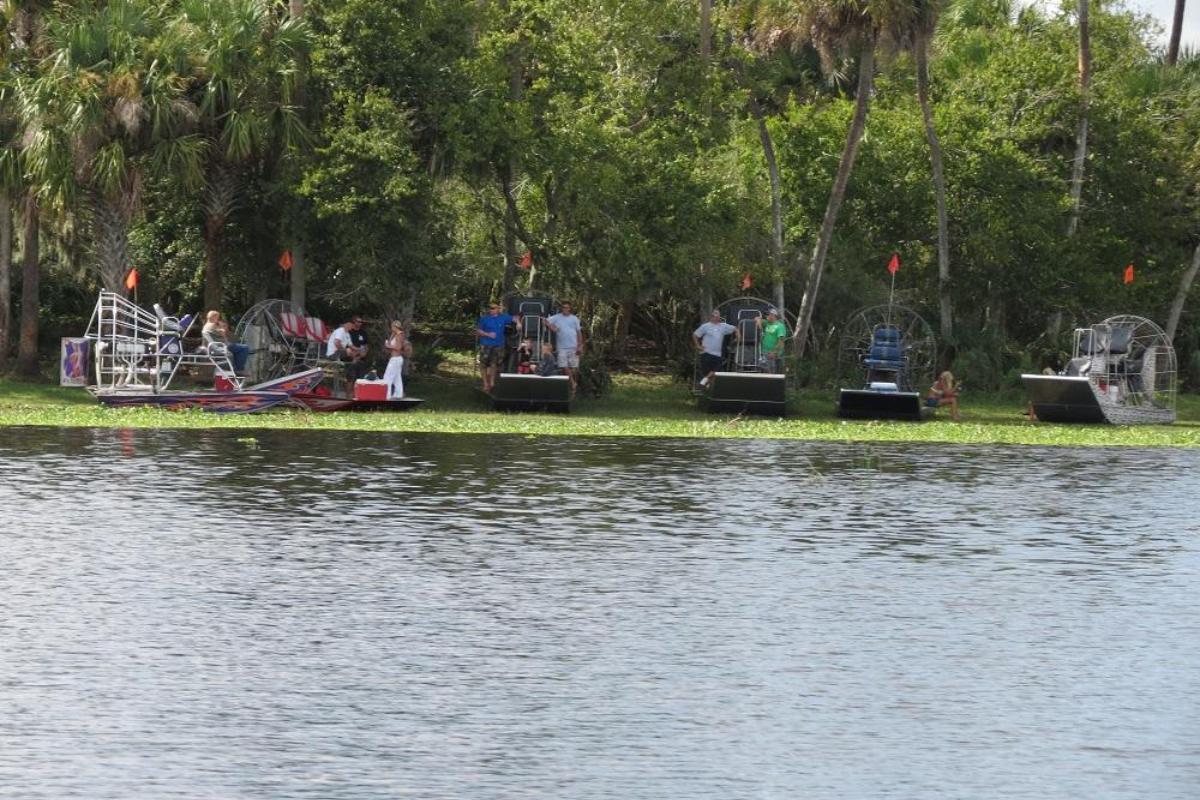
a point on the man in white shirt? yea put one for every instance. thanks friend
(710, 342)
(340, 347)
(568, 341)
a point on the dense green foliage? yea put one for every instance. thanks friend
(415, 150)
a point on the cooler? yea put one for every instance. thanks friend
(370, 390)
(222, 382)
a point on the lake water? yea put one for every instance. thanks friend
(224, 614)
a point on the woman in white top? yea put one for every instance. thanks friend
(399, 347)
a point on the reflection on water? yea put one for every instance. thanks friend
(317, 615)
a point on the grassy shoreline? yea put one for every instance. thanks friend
(645, 406)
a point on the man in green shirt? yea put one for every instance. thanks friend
(774, 332)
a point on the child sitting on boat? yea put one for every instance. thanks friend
(525, 363)
(944, 392)
(549, 364)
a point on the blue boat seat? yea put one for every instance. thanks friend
(885, 352)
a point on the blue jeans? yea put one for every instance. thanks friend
(238, 353)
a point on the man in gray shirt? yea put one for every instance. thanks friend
(710, 342)
(568, 341)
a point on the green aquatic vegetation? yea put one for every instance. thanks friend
(649, 406)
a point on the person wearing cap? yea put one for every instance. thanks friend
(774, 332)
(341, 347)
(568, 341)
(358, 337)
(710, 343)
(493, 340)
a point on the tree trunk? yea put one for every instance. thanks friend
(110, 238)
(621, 334)
(516, 92)
(6, 234)
(862, 101)
(299, 270)
(768, 147)
(1085, 81)
(1185, 286)
(939, 186)
(1176, 32)
(27, 351)
(705, 30)
(212, 263)
(299, 276)
(510, 236)
(220, 199)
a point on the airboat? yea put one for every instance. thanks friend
(283, 339)
(517, 391)
(139, 354)
(749, 383)
(1122, 371)
(894, 352)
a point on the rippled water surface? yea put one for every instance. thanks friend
(212, 614)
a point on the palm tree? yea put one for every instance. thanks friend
(299, 269)
(26, 43)
(852, 26)
(10, 187)
(1081, 133)
(245, 95)
(107, 111)
(916, 32)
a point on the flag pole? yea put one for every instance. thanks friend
(891, 297)
(893, 268)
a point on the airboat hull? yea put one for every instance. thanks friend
(745, 393)
(220, 402)
(516, 392)
(321, 403)
(1072, 399)
(295, 383)
(874, 404)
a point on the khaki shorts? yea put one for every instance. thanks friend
(568, 359)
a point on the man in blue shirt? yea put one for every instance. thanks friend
(492, 343)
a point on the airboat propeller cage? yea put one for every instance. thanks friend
(893, 351)
(1122, 371)
(746, 385)
(282, 339)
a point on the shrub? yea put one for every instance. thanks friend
(595, 380)
(426, 358)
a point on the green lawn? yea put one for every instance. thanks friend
(638, 406)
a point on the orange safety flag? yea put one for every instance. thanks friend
(285, 260)
(894, 264)
(527, 260)
(1129, 274)
(746, 282)
(131, 280)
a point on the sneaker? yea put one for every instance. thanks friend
(704, 381)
